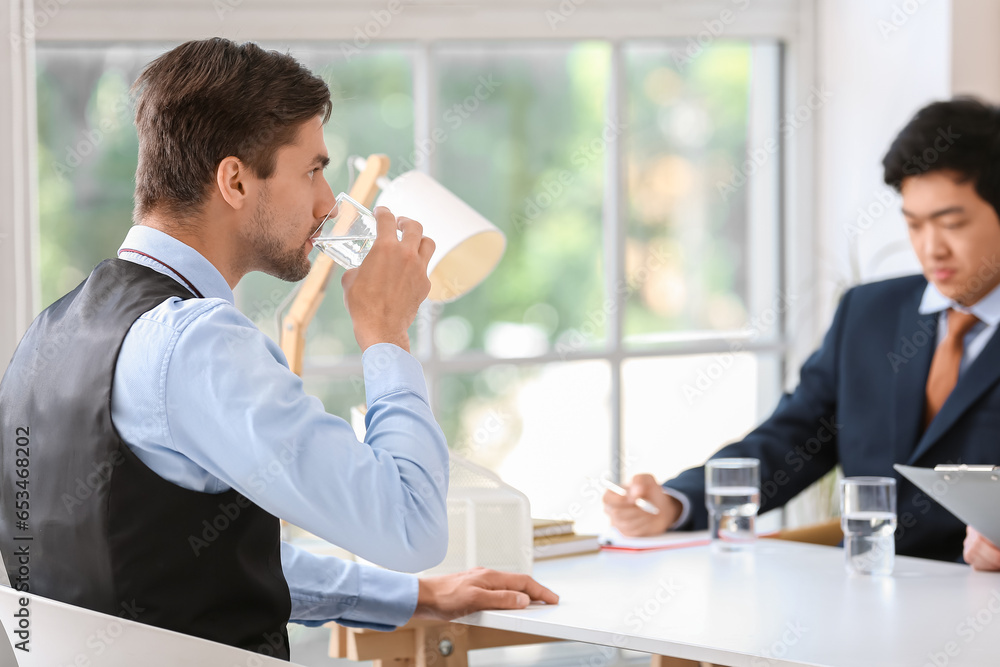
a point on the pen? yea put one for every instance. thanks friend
(642, 503)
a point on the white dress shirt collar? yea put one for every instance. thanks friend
(986, 309)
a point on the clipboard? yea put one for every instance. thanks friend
(970, 492)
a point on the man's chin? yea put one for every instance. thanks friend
(958, 288)
(290, 273)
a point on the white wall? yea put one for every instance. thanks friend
(881, 61)
(877, 65)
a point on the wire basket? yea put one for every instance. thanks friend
(489, 522)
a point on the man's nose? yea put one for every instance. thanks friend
(325, 203)
(934, 242)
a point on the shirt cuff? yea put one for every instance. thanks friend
(389, 369)
(685, 507)
(390, 597)
(326, 588)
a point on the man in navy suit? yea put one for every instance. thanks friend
(909, 371)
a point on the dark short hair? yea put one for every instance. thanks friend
(961, 135)
(207, 100)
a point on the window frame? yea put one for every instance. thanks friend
(789, 22)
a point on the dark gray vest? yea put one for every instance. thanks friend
(84, 521)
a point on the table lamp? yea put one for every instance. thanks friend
(468, 246)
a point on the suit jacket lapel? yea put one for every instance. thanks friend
(982, 374)
(911, 377)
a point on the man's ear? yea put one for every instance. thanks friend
(233, 180)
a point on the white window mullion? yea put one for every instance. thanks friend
(804, 322)
(615, 235)
(767, 301)
(19, 297)
(424, 104)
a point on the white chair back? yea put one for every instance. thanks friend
(61, 634)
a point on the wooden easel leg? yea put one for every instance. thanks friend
(338, 641)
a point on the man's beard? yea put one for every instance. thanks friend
(270, 255)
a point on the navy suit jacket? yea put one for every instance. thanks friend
(860, 403)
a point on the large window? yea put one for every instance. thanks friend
(626, 328)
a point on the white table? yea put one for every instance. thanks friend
(783, 604)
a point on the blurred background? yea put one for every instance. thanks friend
(521, 369)
(686, 189)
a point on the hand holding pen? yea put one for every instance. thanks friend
(642, 503)
(643, 509)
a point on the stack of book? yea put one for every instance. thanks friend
(555, 537)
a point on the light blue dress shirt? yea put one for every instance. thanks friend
(208, 402)
(986, 309)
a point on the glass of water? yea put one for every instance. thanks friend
(868, 517)
(347, 233)
(732, 496)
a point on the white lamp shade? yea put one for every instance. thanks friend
(468, 246)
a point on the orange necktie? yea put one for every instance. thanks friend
(945, 364)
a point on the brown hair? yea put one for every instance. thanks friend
(207, 100)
